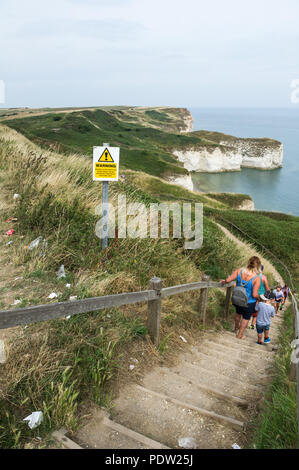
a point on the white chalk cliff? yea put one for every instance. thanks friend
(184, 181)
(209, 160)
(188, 123)
(227, 153)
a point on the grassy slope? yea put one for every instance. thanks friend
(163, 118)
(57, 365)
(143, 148)
(276, 426)
(277, 232)
(220, 137)
(69, 181)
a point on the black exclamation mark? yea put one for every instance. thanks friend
(106, 156)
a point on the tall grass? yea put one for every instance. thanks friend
(276, 427)
(55, 366)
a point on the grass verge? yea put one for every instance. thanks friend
(276, 426)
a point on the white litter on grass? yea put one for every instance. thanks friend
(16, 302)
(134, 360)
(68, 286)
(183, 339)
(73, 297)
(187, 443)
(61, 272)
(53, 296)
(34, 244)
(18, 278)
(68, 317)
(9, 243)
(15, 196)
(35, 419)
(236, 446)
(132, 367)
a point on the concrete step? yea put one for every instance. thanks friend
(228, 349)
(100, 432)
(65, 442)
(209, 376)
(252, 350)
(170, 384)
(233, 361)
(167, 420)
(233, 367)
(251, 339)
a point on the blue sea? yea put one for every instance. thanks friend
(275, 190)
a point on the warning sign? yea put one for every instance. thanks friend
(106, 156)
(105, 163)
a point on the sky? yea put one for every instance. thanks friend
(188, 53)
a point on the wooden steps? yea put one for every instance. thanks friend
(208, 395)
(101, 432)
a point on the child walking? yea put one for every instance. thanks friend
(265, 311)
(279, 298)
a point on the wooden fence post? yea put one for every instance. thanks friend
(154, 311)
(229, 293)
(292, 376)
(294, 365)
(203, 300)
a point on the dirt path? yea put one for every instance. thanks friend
(206, 401)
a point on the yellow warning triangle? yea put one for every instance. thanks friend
(106, 156)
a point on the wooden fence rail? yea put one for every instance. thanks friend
(153, 296)
(294, 371)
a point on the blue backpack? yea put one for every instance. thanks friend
(242, 292)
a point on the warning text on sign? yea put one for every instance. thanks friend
(106, 170)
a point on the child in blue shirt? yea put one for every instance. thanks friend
(265, 311)
(279, 297)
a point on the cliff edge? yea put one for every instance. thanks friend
(230, 153)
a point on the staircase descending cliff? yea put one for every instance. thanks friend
(210, 396)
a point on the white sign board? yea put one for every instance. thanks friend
(105, 163)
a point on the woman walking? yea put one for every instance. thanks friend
(249, 279)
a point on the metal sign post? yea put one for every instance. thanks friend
(105, 169)
(105, 214)
(105, 201)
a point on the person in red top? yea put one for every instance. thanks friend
(251, 273)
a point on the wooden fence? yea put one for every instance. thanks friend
(153, 296)
(294, 372)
